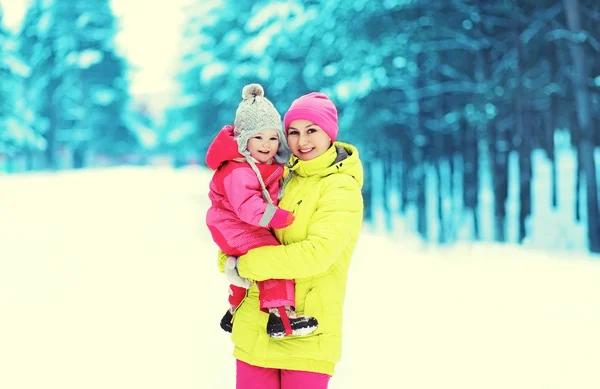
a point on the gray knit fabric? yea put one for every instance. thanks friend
(254, 114)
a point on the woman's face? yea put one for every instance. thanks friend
(307, 140)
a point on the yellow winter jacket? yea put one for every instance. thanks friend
(325, 196)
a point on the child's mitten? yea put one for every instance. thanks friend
(282, 219)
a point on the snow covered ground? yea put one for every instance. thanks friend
(108, 279)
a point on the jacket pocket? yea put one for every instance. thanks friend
(313, 306)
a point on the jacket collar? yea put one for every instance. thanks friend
(315, 165)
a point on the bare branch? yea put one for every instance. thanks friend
(504, 64)
(451, 87)
(539, 22)
(452, 72)
(450, 45)
(595, 15)
(580, 37)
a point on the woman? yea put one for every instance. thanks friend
(323, 190)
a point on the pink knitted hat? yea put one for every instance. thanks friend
(317, 108)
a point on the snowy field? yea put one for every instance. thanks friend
(108, 279)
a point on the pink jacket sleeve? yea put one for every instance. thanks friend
(242, 190)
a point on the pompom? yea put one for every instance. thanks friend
(252, 90)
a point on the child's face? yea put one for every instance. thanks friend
(307, 140)
(263, 146)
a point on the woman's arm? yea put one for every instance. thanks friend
(336, 222)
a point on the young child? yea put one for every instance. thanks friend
(247, 159)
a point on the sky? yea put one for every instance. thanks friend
(149, 39)
(120, 289)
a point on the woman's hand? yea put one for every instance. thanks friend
(233, 276)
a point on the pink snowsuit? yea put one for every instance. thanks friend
(237, 207)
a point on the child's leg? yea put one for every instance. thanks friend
(294, 379)
(278, 297)
(254, 377)
(236, 295)
(276, 293)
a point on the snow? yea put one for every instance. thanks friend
(109, 280)
(17, 66)
(213, 70)
(89, 57)
(20, 134)
(104, 96)
(272, 20)
(180, 132)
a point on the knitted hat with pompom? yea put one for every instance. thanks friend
(255, 114)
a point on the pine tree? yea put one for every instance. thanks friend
(77, 86)
(17, 138)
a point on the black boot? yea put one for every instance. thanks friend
(300, 325)
(227, 321)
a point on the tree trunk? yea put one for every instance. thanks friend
(498, 148)
(523, 138)
(525, 175)
(451, 149)
(419, 170)
(79, 157)
(575, 140)
(420, 181)
(50, 134)
(406, 167)
(550, 127)
(10, 163)
(584, 116)
(470, 154)
(387, 188)
(442, 236)
(442, 149)
(404, 182)
(29, 159)
(498, 145)
(50, 151)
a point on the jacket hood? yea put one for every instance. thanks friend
(223, 148)
(340, 158)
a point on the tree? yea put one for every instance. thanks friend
(77, 87)
(16, 133)
(584, 118)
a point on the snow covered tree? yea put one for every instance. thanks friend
(17, 137)
(38, 51)
(94, 92)
(77, 86)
